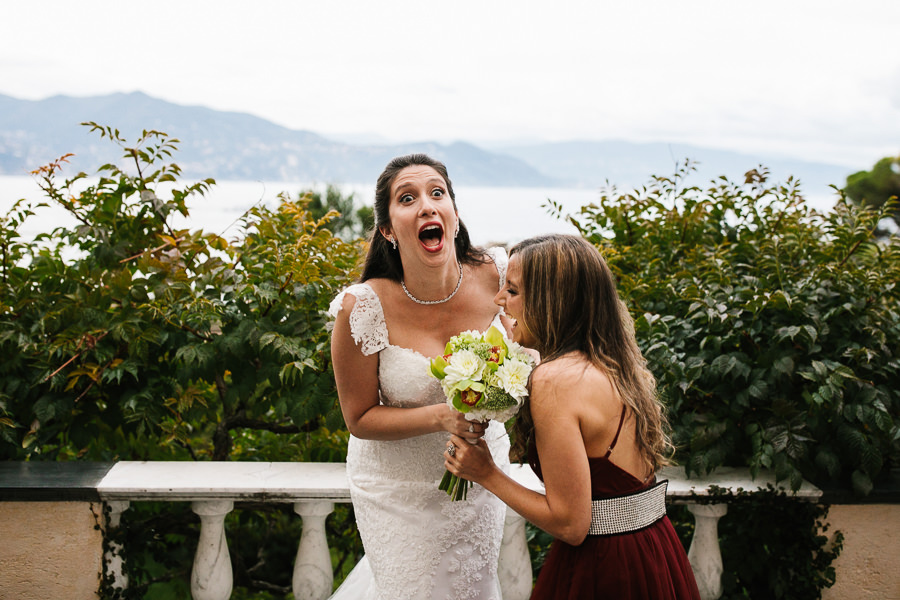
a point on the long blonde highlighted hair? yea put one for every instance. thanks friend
(571, 305)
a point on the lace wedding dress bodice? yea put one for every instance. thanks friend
(419, 545)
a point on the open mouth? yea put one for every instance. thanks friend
(431, 235)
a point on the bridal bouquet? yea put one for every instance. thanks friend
(483, 376)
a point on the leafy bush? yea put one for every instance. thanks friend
(123, 338)
(774, 330)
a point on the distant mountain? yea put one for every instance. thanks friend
(223, 145)
(238, 146)
(590, 164)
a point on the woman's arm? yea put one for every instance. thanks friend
(565, 510)
(356, 376)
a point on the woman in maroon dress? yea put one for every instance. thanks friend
(592, 429)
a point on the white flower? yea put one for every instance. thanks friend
(514, 348)
(464, 365)
(513, 377)
(516, 352)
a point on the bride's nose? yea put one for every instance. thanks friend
(428, 208)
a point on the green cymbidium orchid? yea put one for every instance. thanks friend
(437, 367)
(494, 337)
(466, 387)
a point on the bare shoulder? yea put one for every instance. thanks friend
(567, 378)
(552, 387)
(558, 376)
(562, 370)
(379, 285)
(386, 290)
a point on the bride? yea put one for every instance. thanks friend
(422, 283)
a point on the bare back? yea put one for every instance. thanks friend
(577, 391)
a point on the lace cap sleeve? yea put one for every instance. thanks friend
(501, 261)
(367, 324)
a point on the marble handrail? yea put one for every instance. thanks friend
(313, 488)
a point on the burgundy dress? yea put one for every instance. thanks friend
(650, 563)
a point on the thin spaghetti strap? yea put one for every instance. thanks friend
(618, 431)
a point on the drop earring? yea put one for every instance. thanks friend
(456, 233)
(394, 243)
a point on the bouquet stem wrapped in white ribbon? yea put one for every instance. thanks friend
(485, 377)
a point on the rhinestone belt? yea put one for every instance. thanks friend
(633, 512)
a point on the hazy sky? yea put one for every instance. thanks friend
(813, 79)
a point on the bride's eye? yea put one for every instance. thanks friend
(405, 198)
(437, 193)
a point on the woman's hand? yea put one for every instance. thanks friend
(469, 461)
(455, 422)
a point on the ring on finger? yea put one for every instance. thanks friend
(451, 449)
(472, 428)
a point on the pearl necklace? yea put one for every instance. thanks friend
(453, 293)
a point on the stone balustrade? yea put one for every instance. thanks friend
(704, 553)
(212, 488)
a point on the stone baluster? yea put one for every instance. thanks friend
(514, 569)
(211, 576)
(113, 555)
(313, 577)
(704, 554)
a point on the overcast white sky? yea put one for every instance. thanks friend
(814, 79)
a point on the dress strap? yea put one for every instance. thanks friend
(367, 324)
(618, 431)
(501, 261)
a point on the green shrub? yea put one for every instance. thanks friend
(773, 330)
(123, 338)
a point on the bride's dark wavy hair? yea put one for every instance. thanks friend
(382, 260)
(570, 304)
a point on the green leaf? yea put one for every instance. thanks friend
(758, 389)
(784, 365)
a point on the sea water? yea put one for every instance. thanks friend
(492, 214)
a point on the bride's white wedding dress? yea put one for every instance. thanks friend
(419, 545)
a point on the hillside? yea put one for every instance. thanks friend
(238, 146)
(223, 145)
